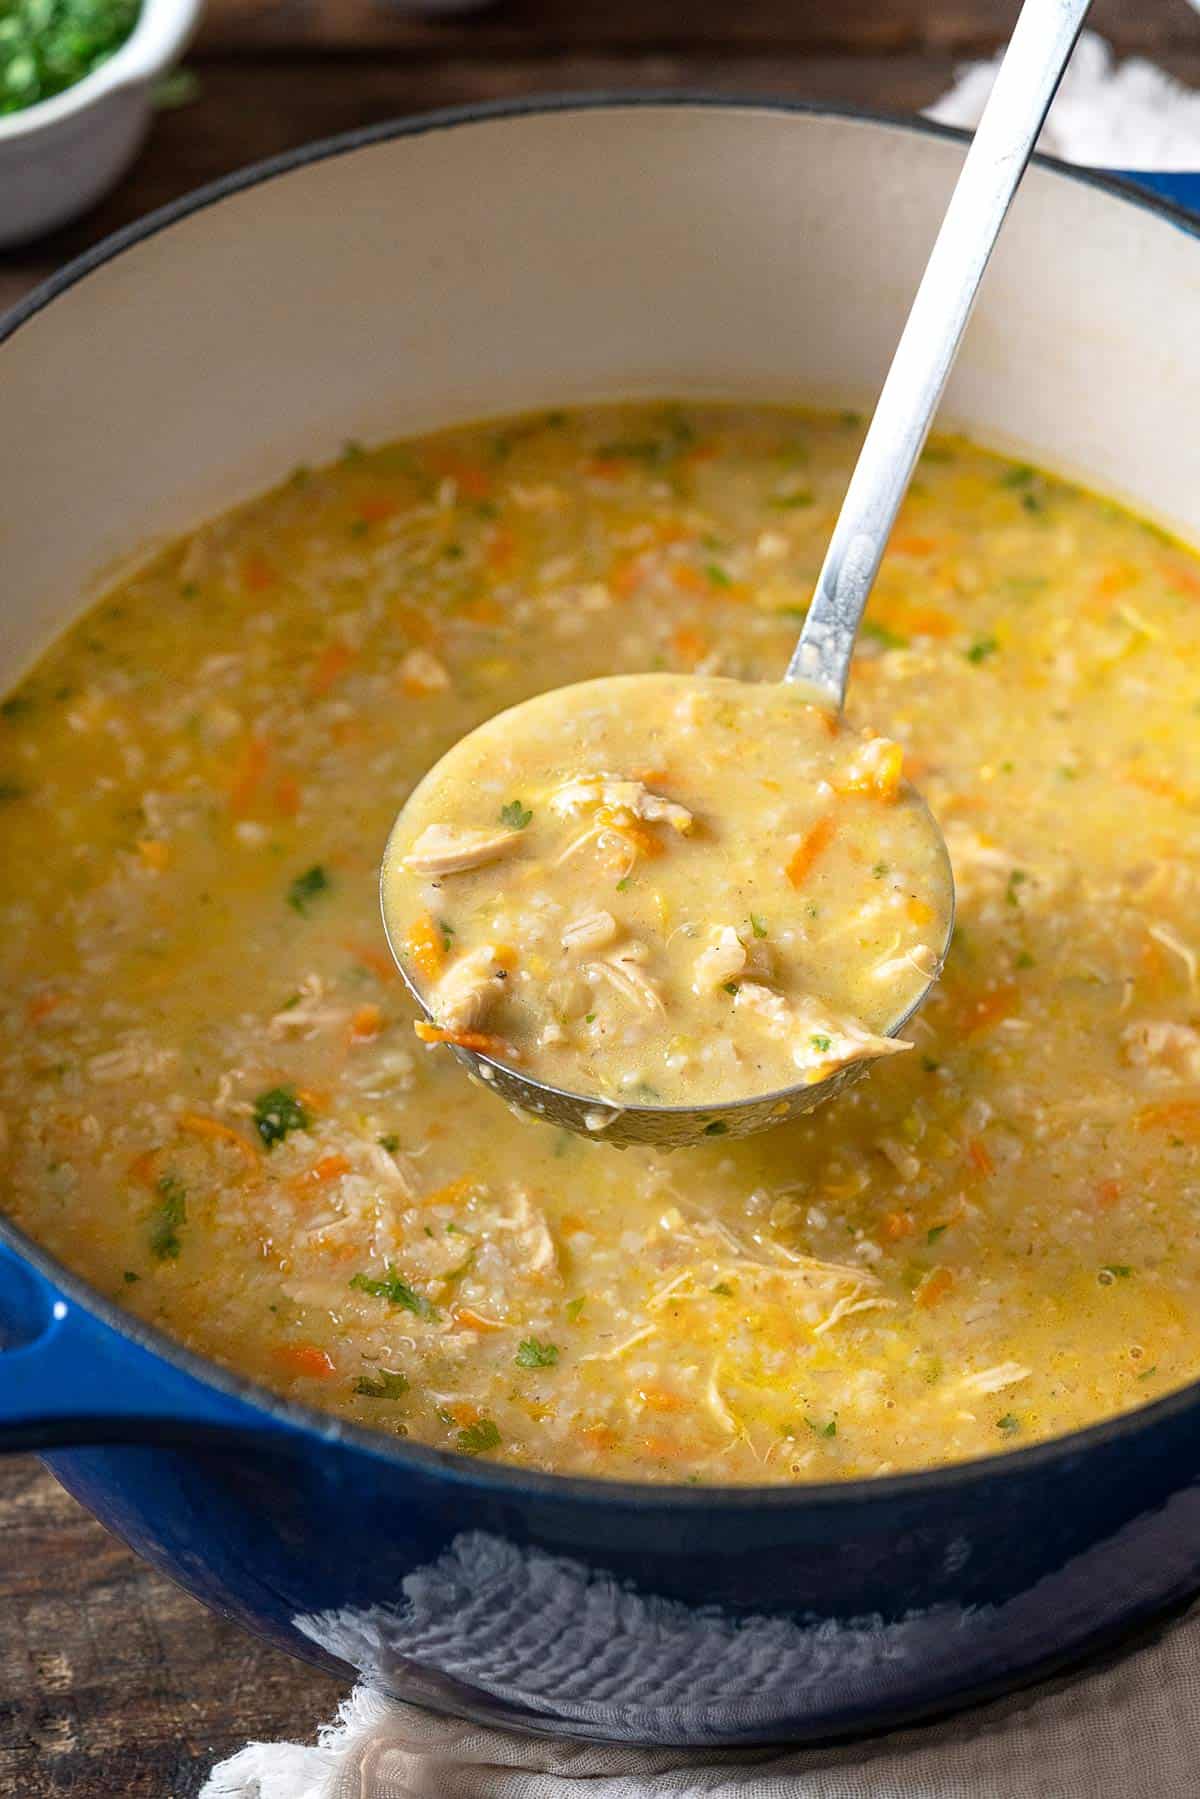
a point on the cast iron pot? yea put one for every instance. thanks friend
(472, 264)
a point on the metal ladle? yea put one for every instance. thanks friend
(1037, 55)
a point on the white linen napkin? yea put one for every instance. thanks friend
(1130, 1729)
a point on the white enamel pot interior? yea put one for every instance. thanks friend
(471, 266)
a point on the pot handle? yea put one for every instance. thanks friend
(68, 1379)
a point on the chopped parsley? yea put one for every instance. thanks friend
(1010, 1424)
(981, 649)
(169, 1214)
(1016, 879)
(382, 1386)
(730, 986)
(723, 1288)
(305, 888)
(880, 869)
(390, 1142)
(788, 502)
(533, 1354)
(758, 925)
(717, 575)
(515, 815)
(1018, 474)
(447, 930)
(623, 885)
(129, 1277)
(823, 1430)
(397, 1293)
(278, 1112)
(929, 1065)
(1147, 1372)
(1117, 1271)
(574, 1306)
(47, 46)
(935, 1231)
(476, 1439)
(821, 1044)
(717, 1128)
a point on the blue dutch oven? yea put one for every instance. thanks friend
(470, 264)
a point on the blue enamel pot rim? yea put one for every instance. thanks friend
(324, 1427)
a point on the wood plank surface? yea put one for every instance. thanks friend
(114, 1684)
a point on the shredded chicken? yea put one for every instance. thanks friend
(994, 1380)
(469, 987)
(633, 797)
(1158, 1043)
(591, 931)
(423, 672)
(822, 1042)
(721, 961)
(452, 849)
(623, 974)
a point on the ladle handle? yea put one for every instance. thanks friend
(1037, 54)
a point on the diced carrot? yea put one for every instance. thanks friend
(912, 543)
(345, 730)
(257, 573)
(603, 468)
(144, 1167)
(448, 1195)
(416, 625)
(919, 911)
(987, 1009)
(897, 1225)
(333, 661)
(313, 1099)
(979, 1158)
(476, 1041)
(688, 579)
(935, 1286)
(813, 844)
(471, 479)
(331, 1167)
(305, 1359)
(482, 610)
(500, 551)
(198, 1126)
(1181, 1117)
(570, 1224)
(464, 1413)
(1183, 579)
(377, 960)
(41, 1006)
(690, 645)
(475, 1321)
(626, 574)
(701, 452)
(652, 777)
(247, 775)
(425, 947)
(927, 621)
(661, 1399)
(1150, 782)
(1108, 1194)
(287, 796)
(375, 508)
(600, 1436)
(366, 1022)
(643, 837)
(154, 853)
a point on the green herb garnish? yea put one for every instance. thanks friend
(476, 1439)
(532, 1354)
(821, 1044)
(515, 815)
(276, 1113)
(981, 649)
(47, 46)
(574, 1306)
(396, 1292)
(1016, 879)
(1010, 1424)
(758, 925)
(1018, 474)
(169, 1215)
(935, 1231)
(723, 1288)
(305, 888)
(717, 1128)
(382, 1386)
(891, 640)
(390, 1142)
(823, 1430)
(1117, 1271)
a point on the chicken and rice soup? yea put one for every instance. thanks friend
(215, 1107)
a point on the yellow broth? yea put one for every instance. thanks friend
(214, 1105)
(675, 889)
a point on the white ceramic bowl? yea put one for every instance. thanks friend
(59, 156)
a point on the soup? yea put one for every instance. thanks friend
(753, 929)
(215, 1106)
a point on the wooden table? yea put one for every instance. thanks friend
(113, 1684)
